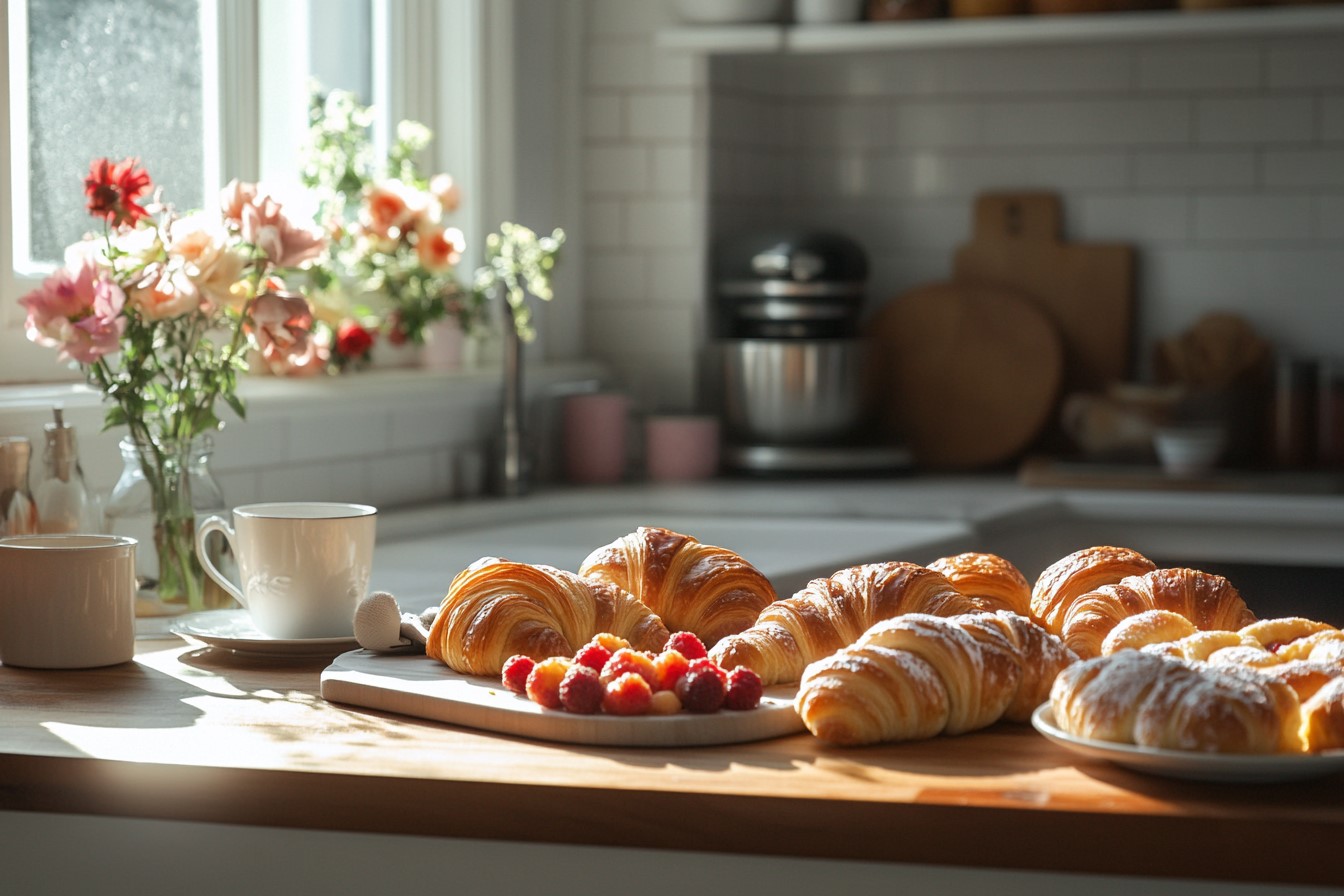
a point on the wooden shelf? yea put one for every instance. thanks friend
(1004, 31)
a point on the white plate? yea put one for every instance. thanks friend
(233, 630)
(426, 688)
(1190, 765)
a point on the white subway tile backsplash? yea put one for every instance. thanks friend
(622, 17)
(1147, 218)
(1253, 218)
(1306, 63)
(1193, 169)
(615, 276)
(1332, 117)
(1304, 168)
(604, 223)
(1330, 216)
(1255, 119)
(658, 223)
(1056, 70)
(620, 63)
(1087, 122)
(673, 169)
(603, 116)
(677, 276)
(617, 168)
(1191, 67)
(663, 116)
(927, 124)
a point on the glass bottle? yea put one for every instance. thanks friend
(63, 500)
(161, 510)
(18, 512)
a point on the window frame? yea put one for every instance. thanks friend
(448, 40)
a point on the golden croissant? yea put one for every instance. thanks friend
(693, 587)
(1087, 594)
(992, 582)
(918, 676)
(1137, 697)
(496, 608)
(832, 613)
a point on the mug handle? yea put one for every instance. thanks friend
(203, 531)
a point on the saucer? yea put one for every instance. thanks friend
(233, 630)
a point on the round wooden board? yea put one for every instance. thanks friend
(415, 685)
(966, 375)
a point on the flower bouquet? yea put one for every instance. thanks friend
(159, 311)
(391, 265)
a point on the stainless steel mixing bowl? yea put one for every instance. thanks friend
(781, 391)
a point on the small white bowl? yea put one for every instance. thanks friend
(1189, 450)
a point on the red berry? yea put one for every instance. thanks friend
(543, 682)
(516, 670)
(687, 644)
(629, 660)
(700, 690)
(669, 665)
(593, 655)
(744, 689)
(628, 695)
(581, 690)
(708, 665)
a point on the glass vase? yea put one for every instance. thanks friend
(164, 489)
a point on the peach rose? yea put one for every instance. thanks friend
(164, 292)
(202, 247)
(439, 248)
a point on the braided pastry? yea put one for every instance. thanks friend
(989, 580)
(496, 608)
(918, 676)
(832, 613)
(693, 587)
(1157, 701)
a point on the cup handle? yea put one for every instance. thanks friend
(203, 532)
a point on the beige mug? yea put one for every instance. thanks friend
(67, 601)
(304, 566)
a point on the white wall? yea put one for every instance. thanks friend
(1222, 161)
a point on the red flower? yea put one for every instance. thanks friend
(114, 188)
(352, 340)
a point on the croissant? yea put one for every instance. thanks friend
(1080, 573)
(918, 676)
(693, 587)
(1157, 701)
(832, 613)
(990, 581)
(496, 608)
(1208, 601)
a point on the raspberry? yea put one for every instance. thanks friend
(687, 644)
(627, 660)
(708, 665)
(627, 695)
(700, 690)
(581, 690)
(516, 670)
(543, 682)
(593, 655)
(669, 666)
(664, 703)
(744, 689)
(610, 641)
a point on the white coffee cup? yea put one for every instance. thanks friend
(67, 601)
(303, 566)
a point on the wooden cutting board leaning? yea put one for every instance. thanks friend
(965, 375)
(969, 373)
(1086, 289)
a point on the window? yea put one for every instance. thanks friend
(202, 91)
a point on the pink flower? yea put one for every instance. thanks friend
(281, 324)
(439, 248)
(202, 247)
(164, 292)
(78, 310)
(262, 222)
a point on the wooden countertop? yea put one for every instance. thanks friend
(201, 734)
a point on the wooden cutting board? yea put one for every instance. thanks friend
(415, 685)
(967, 376)
(1086, 289)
